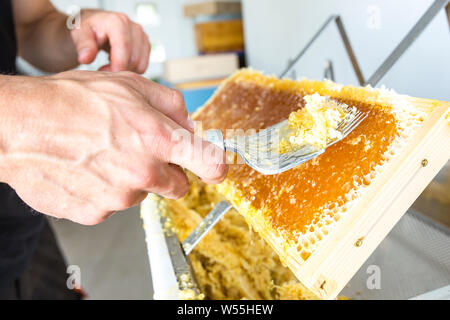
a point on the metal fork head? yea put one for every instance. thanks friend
(261, 150)
(353, 118)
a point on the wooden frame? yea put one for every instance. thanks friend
(357, 233)
(356, 236)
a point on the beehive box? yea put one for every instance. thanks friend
(219, 36)
(325, 217)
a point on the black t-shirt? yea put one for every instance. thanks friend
(20, 226)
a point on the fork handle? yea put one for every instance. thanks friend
(215, 137)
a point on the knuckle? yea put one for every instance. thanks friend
(126, 74)
(158, 140)
(120, 85)
(139, 28)
(93, 218)
(160, 135)
(178, 188)
(182, 190)
(130, 75)
(178, 100)
(123, 201)
(178, 195)
(122, 17)
(179, 144)
(135, 60)
(216, 171)
(148, 179)
(127, 45)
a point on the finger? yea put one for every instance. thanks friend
(120, 200)
(106, 68)
(168, 101)
(199, 156)
(167, 180)
(144, 61)
(85, 44)
(168, 142)
(139, 198)
(119, 37)
(137, 53)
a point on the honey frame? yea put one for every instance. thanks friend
(364, 226)
(351, 241)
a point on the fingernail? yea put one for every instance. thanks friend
(191, 123)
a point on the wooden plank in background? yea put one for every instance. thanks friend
(212, 8)
(205, 67)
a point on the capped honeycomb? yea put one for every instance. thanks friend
(315, 124)
(297, 209)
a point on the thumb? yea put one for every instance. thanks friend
(85, 43)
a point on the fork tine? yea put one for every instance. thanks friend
(350, 110)
(354, 123)
(351, 113)
(340, 124)
(350, 124)
(355, 115)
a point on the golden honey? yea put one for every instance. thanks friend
(291, 199)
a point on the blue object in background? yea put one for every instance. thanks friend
(193, 97)
(196, 98)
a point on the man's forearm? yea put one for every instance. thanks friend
(45, 41)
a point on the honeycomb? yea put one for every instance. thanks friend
(231, 262)
(298, 208)
(315, 124)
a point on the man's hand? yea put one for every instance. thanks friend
(45, 40)
(81, 145)
(126, 41)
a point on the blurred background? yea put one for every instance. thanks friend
(196, 44)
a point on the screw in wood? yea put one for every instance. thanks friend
(359, 242)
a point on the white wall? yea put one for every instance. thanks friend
(276, 30)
